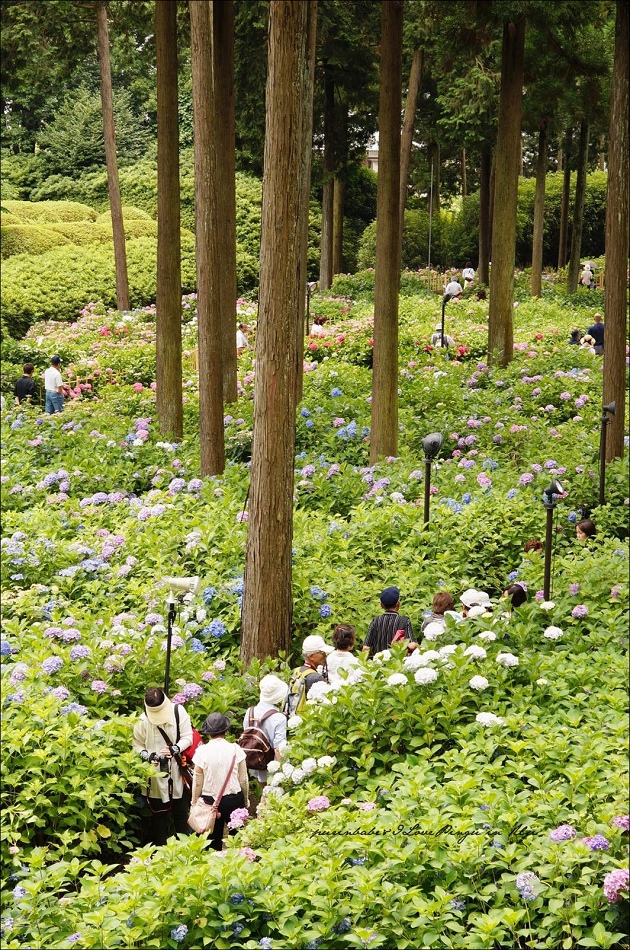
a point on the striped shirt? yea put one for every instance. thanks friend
(382, 629)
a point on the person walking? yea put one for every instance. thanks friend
(468, 274)
(162, 732)
(383, 629)
(267, 716)
(315, 651)
(216, 761)
(53, 384)
(342, 657)
(596, 332)
(24, 389)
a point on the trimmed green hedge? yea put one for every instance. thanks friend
(129, 212)
(47, 212)
(28, 238)
(39, 238)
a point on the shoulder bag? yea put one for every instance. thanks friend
(202, 816)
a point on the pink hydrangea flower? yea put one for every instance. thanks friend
(319, 803)
(248, 853)
(615, 882)
(367, 806)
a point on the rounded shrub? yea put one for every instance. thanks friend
(46, 212)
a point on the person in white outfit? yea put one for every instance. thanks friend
(53, 384)
(273, 693)
(342, 657)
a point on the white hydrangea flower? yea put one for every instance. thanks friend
(383, 657)
(297, 775)
(269, 790)
(424, 676)
(201, 615)
(354, 676)
(477, 653)
(433, 630)
(414, 661)
(478, 682)
(277, 779)
(542, 681)
(326, 761)
(553, 633)
(294, 721)
(273, 766)
(397, 679)
(318, 691)
(429, 656)
(547, 605)
(507, 659)
(308, 766)
(487, 636)
(488, 719)
(287, 769)
(447, 650)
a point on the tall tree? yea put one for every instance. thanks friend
(617, 236)
(210, 336)
(384, 437)
(539, 210)
(326, 246)
(267, 598)
(578, 208)
(507, 161)
(566, 199)
(223, 244)
(109, 134)
(406, 143)
(485, 170)
(168, 318)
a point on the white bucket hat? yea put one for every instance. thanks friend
(273, 690)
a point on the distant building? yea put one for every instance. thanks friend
(371, 156)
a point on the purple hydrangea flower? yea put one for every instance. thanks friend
(52, 664)
(74, 708)
(579, 611)
(574, 589)
(622, 821)
(562, 833)
(596, 843)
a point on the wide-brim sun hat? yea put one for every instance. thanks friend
(273, 690)
(160, 715)
(216, 724)
(315, 644)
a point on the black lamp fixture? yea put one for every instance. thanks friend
(607, 412)
(550, 500)
(445, 300)
(431, 445)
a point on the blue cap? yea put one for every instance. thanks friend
(55, 359)
(390, 597)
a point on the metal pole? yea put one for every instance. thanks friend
(443, 309)
(430, 219)
(427, 489)
(548, 539)
(308, 306)
(169, 636)
(602, 458)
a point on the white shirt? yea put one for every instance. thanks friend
(468, 273)
(339, 660)
(241, 340)
(147, 736)
(215, 758)
(52, 380)
(317, 330)
(453, 288)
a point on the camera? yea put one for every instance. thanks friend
(164, 763)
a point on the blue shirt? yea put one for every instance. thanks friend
(597, 332)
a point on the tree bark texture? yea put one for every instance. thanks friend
(109, 135)
(267, 601)
(507, 158)
(339, 196)
(209, 342)
(539, 211)
(168, 331)
(566, 198)
(307, 132)
(384, 435)
(406, 143)
(223, 245)
(434, 161)
(483, 270)
(326, 246)
(617, 237)
(578, 209)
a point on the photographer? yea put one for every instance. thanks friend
(162, 732)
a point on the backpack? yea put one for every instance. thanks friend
(254, 741)
(295, 702)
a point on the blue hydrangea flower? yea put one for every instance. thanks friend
(336, 392)
(325, 610)
(512, 575)
(343, 926)
(457, 904)
(466, 498)
(266, 943)
(196, 645)
(237, 898)
(5, 648)
(351, 429)
(305, 413)
(511, 493)
(309, 423)
(318, 593)
(74, 708)
(572, 517)
(208, 594)
(237, 928)
(179, 933)
(18, 892)
(214, 629)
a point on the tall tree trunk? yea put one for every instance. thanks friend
(578, 209)
(339, 197)
(508, 155)
(617, 237)
(483, 271)
(109, 135)
(209, 326)
(406, 143)
(464, 189)
(434, 158)
(168, 321)
(224, 231)
(384, 437)
(566, 198)
(307, 133)
(326, 252)
(601, 158)
(493, 181)
(267, 600)
(539, 211)
(560, 158)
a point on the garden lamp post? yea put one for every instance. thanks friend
(607, 412)
(445, 300)
(431, 444)
(310, 287)
(178, 588)
(550, 500)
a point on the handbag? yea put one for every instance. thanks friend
(183, 759)
(203, 816)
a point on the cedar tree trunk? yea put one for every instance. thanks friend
(578, 209)
(384, 437)
(507, 158)
(566, 198)
(483, 271)
(617, 223)
(267, 601)
(109, 135)
(339, 197)
(326, 249)
(406, 142)
(539, 211)
(168, 321)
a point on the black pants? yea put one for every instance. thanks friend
(228, 804)
(164, 817)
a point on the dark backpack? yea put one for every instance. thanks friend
(258, 750)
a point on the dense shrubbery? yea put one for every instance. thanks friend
(400, 818)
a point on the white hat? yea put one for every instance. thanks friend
(273, 690)
(315, 644)
(160, 715)
(483, 598)
(471, 597)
